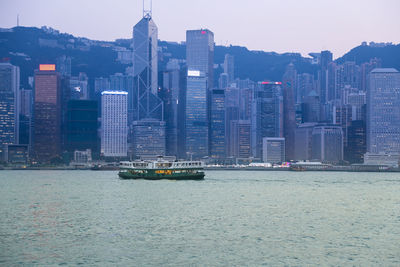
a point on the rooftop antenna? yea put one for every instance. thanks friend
(17, 20)
(147, 13)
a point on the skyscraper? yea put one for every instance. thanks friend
(273, 149)
(267, 115)
(114, 123)
(229, 67)
(148, 107)
(196, 115)
(289, 111)
(200, 53)
(9, 105)
(383, 112)
(47, 114)
(217, 124)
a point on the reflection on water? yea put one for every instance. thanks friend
(230, 218)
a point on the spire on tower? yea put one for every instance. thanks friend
(147, 11)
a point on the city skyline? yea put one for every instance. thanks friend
(296, 26)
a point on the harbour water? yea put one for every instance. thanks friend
(232, 218)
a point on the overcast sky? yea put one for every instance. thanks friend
(271, 25)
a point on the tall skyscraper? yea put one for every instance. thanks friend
(326, 58)
(47, 114)
(383, 112)
(81, 126)
(289, 111)
(267, 115)
(114, 123)
(9, 105)
(217, 124)
(229, 67)
(148, 107)
(196, 115)
(200, 53)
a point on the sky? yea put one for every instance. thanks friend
(302, 26)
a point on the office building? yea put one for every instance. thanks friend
(229, 67)
(200, 53)
(9, 104)
(81, 126)
(327, 143)
(217, 124)
(383, 112)
(303, 141)
(196, 115)
(267, 115)
(47, 115)
(273, 149)
(289, 112)
(114, 123)
(149, 138)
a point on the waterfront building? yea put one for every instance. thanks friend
(383, 112)
(149, 138)
(327, 143)
(9, 104)
(147, 105)
(289, 112)
(25, 117)
(240, 137)
(47, 114)
(267, 115)
(273, 149)
(217, 124)
(356, 142)
(81, 126)
(303, 141)
(16, 154)
(196, 115)
(114, 123)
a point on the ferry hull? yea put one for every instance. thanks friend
(154, 176)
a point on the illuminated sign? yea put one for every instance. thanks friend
(271, 83)
(47, 67)
(195, 73)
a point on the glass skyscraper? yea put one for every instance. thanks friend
(217, 124)
(148, 107)
(196, 115)
(200, 53)
(383, 112)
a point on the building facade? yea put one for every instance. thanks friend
(114, 124)
(273, 149)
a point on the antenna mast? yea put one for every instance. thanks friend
(147, 13)
(17, 20)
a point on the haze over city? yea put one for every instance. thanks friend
(280, 26)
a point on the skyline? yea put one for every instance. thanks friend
(295, 27)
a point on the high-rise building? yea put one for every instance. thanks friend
(327, 143)
(326, 58)
(267, 115)
(200, 53)
(383, 112)
(229, 67)
(47, 114)
(114, 123)
(196, 115)
(148, 107)
(9, 104)
(303, 141)
(356, 145)
(273, 149)
(240, 137)
(217, 124)
(289, 111)
(81, 126)
(25, 117)
(149, 138)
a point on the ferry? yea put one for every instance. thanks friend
(161, 169)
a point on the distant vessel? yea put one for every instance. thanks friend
(161, 169)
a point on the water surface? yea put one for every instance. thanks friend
(231, 218)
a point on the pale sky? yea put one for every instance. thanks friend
(271, 25)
